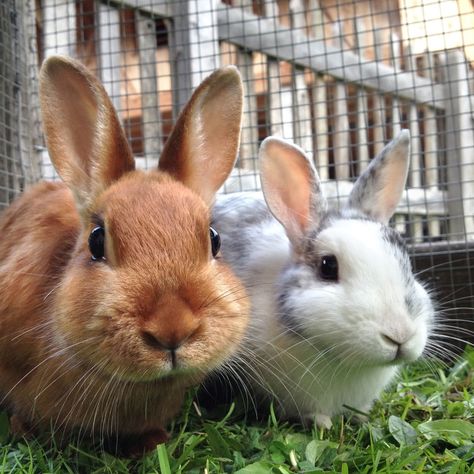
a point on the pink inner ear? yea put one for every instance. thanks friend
(70, 116)
(389, 196)
(287, 185)
(202, 148)
(85, 140)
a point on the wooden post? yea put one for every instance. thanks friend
(395, 51)
(319, 92)
(362, 106)
(341, 134)
(320, 112)
(460, 148)
(194, 46)
(414, 173)
(59, 30)
(301, 106)
(274, 105)
(59, 37)
(414, 177)
(109, 51)
(396, 120)
(431, 150)
(378, 101)
(151, 118)
(249, 139)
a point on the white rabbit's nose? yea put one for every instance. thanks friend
(398, 331)
(394, 345)
(399, 337)
(391, 340)
(399, 342)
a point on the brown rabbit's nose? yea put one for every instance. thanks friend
(171, 325)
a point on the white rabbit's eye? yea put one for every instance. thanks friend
(215, 241)
(329, 268)
(96, 243)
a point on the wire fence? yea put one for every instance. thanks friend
(339, 77)
(18, 122)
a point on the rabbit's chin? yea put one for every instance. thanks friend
(145, 366)
(324, 386)
(161, 372)
(373, 349)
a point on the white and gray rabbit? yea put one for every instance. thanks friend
(336, 308)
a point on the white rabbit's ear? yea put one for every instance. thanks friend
(379, 189)
(86, 142)
(203, 145)
(291, 187)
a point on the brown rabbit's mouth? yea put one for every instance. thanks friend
(160, 372)
(147, 364)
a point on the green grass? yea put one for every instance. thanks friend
(422, 424)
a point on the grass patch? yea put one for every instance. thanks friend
(422, 424)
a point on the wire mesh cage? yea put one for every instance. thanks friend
(19, 124)
(339, 77)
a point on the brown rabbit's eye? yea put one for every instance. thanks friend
(96, 243)
(215, 241)
(329, 268)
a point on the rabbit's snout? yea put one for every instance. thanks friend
(171, 324)
(400, 341)
(397, 338)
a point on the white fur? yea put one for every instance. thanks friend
(344, 360)
(320, 346)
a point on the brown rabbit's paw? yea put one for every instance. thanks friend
(137, 446)
(20, 428)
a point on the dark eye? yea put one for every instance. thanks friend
(96, 243)
(215, 241)
(329, 269)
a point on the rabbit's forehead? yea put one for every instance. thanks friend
(365, 246)
(151, 200)
(145, 214)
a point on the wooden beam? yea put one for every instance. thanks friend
(274, 103)
(151, 118)
(378, 100)
(248, 151)
(341, 129)
(194, 46)
(320, 102)
(59, 30)
(162, 8)
(460, 147)
(362, 108)
(302, 126)
(109, 51)
(260, 34)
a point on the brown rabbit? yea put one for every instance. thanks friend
(112, 302)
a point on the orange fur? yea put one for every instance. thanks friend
(75, 349)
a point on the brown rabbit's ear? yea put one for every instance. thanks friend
(203, 145)
(85, 141)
